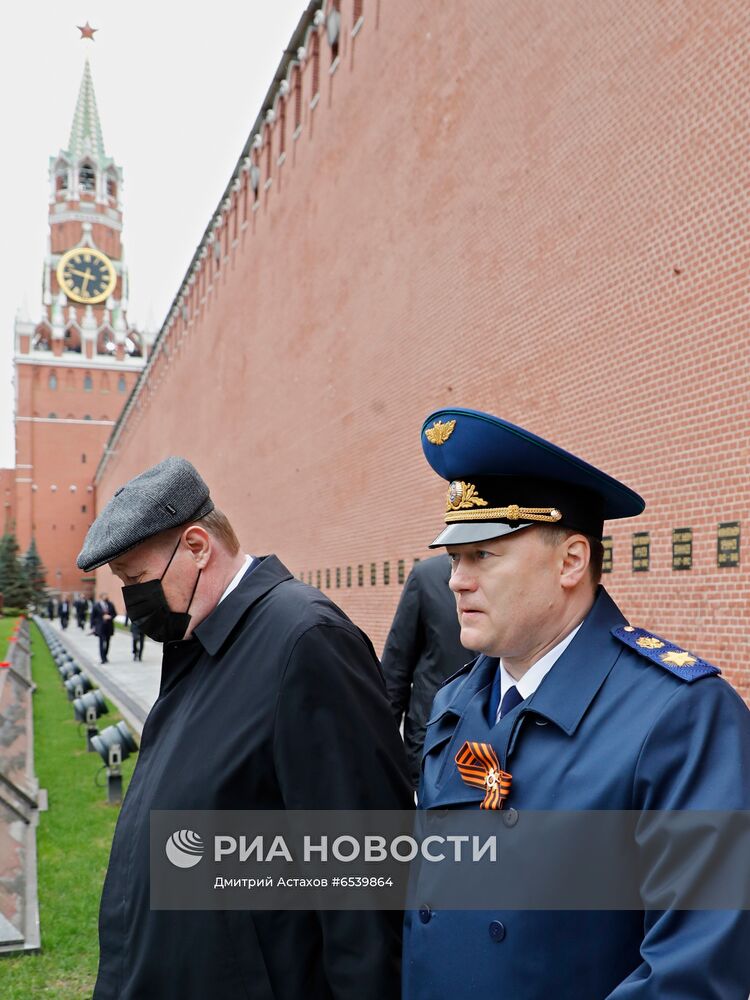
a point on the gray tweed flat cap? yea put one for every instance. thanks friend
(165, 496)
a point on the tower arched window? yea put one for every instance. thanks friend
(112, 188)
(42, 339)
(133, 346)
(88, 383)
(72, 340)
(52, 380)
(105, 342)
(87, 177)
(121, 384)
(61, 180)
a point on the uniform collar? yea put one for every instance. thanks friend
(571, 685)
(479, 674)
(534, 676)
(265, 573)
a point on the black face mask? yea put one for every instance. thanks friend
(146, 605)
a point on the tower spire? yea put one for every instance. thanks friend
(86, 131)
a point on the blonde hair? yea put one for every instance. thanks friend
(217, 524)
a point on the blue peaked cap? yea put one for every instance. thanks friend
(504, 478)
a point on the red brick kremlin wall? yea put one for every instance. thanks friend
(537, 209)
(7, 499)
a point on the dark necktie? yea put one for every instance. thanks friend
(511, 698)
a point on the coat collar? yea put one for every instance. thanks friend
(265, 574)
(572, 683)
(570, 686)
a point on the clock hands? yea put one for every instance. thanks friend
(86, 275)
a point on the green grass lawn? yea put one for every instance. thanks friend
(73, 841)
(6, 627)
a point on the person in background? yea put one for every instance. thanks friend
(422, 650)
(63, 611)
(138, 637)
(103, 624)
(81, 606)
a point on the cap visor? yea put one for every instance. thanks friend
(463, 533)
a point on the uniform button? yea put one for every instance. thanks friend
(425, 914)
(497, 930)
(510, 816)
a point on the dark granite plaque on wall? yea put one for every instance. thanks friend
(641, 551)
(728, 544)
(682, 548)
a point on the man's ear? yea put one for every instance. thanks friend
(200, 544)
(576, 556)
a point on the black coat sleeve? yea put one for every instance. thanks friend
(336, 747)
(403, 647)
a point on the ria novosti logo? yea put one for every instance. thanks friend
(184, 848)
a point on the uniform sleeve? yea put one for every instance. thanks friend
(696, 757)
(336, 747)
(402, 648)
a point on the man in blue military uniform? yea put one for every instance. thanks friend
(569, 707)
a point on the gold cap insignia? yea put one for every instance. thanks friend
(462, 496)
(440, 432)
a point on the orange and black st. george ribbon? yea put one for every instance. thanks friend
(478, 766)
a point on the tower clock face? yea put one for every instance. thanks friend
(86, 275)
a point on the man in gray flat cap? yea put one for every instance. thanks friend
(270, 698)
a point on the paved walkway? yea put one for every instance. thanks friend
(133, 687)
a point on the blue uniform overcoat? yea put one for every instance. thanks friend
(606, 729)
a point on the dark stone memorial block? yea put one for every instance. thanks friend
(728, 544)
(641, 551)
(682, 548)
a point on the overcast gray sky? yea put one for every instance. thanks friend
(178, 86)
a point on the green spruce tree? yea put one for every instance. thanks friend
(36, 575)
(13, 583)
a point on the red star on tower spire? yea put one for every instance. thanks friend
(87, 31)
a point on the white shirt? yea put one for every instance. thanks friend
(536, 673)
(249, 560)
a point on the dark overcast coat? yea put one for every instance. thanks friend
(422, 650)
(98, 624)
(275, 702)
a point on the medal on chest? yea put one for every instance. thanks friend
(479, 767)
